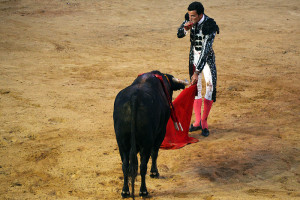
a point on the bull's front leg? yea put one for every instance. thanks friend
(154, 171)
(125, 165)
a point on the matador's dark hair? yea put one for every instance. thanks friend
(196, 6)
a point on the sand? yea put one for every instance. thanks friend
(63, 62)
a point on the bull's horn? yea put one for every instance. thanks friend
(185, 82)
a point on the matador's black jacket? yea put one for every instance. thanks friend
(201, 38)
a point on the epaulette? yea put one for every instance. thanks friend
(210, 26)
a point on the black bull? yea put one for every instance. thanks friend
(141, 114)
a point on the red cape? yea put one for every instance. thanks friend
(183, 105)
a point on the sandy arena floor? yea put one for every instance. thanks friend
(63, 62)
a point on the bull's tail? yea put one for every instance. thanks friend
(133, 161)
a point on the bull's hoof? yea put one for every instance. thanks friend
(154, 174)
(125, 194)
(143, 193)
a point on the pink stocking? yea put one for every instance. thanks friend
(197, 110)
(207, 107)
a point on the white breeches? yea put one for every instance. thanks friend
(208, 80)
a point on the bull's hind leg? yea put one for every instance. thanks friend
(143, 170)
(154, 153)
(154, 171)
(125, 165)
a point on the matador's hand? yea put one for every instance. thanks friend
(194, 78)
(188, 25)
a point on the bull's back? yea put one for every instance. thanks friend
(150, 107)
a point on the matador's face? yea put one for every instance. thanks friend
(194, 17)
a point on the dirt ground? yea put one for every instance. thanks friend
(63, 62)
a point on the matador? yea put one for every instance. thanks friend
(203, 30)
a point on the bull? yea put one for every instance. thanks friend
(141, 113)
